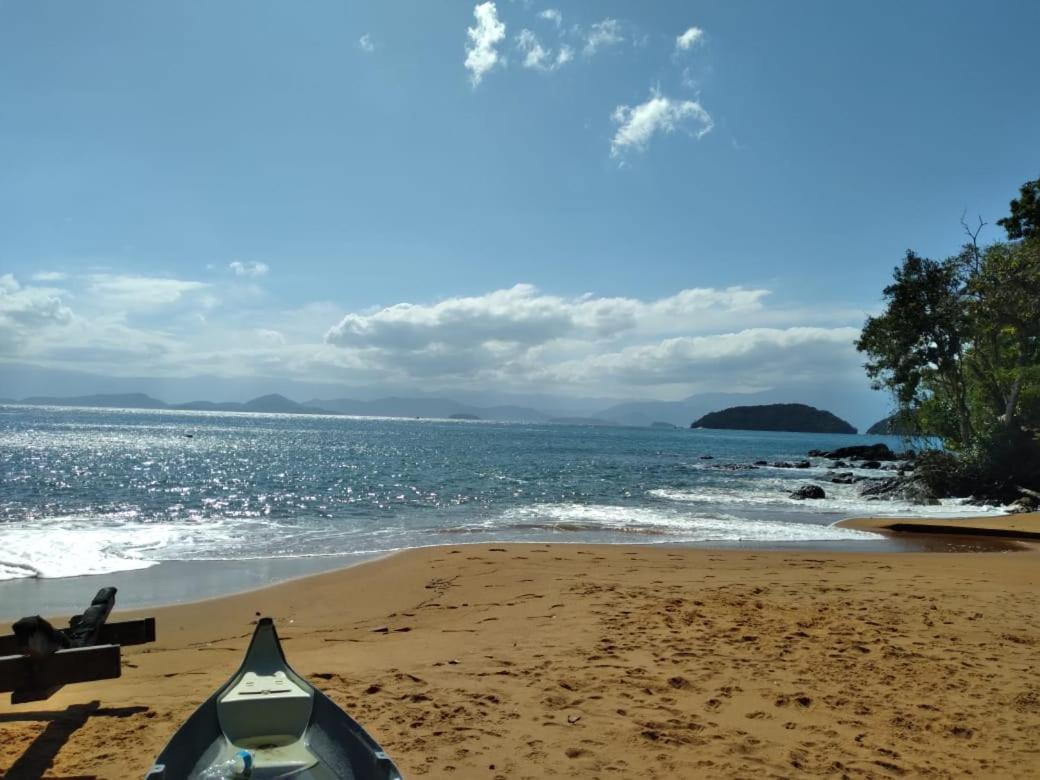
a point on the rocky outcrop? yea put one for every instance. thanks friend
(860, 452)
(809, 492)
(909, 489)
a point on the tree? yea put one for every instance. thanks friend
(1024, 220)
(959, 346)
(916, 348)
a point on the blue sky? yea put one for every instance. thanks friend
(258, 188)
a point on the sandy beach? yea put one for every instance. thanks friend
(531, 661)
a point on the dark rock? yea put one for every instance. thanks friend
(782, 464)
(761, 463)
(870, 464)
(1024, 504)
(802, 464)
(735, 467)
(809, 492)
(900, 488)
(839, 464)
(707, 457)
(846, 478)
(858, 452)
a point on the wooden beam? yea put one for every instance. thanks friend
(126, 632)
(32, 679)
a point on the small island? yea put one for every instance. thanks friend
(795, 418)
(660, 424)
(894, 425)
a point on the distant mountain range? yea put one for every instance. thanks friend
(642, 414)
(279, 404)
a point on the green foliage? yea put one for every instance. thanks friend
(959, 347)
(1024, 220)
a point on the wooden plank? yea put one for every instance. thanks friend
(128, 632)
(33, 678)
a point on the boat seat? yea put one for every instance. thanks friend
(267, 707)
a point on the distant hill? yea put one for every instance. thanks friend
(661, 424)
(852, 401)
(107, 401)
(441, 408)
(775, 417)
(594, 421)
(895, 424)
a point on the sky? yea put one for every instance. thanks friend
(610, 199)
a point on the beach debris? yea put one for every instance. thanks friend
(572, 719)
(809, 492)
(380, 630)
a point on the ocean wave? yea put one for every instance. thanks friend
(841, 499)
(677, 524)
(78, 545)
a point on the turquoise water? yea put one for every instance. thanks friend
(88, 491)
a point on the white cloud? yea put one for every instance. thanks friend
(689, 39)
(366, 44)
(49, 276)
(701, 338)
(605, 33)
(523, 315)
(638, 124)
(25, 311)
(135, 292)
(248, 269)
(481, 55)
(268, 336)
(552, 15)
(537, 57)
(751, 357)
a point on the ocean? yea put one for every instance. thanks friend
(97, 491)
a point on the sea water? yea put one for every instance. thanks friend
(93, 491)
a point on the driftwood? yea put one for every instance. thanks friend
(38, 659)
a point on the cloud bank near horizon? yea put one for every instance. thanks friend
(519, 338)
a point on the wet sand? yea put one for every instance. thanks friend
(530, 661)
(1024, 526)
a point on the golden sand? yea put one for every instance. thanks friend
(532, 661)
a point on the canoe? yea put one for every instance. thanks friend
(276, 723)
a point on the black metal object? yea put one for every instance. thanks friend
(38, 659)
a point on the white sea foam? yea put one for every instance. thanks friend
(841, 499)
(72, 546)
(676, 523)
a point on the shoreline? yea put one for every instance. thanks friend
(615, 660)
(1024, 526)
(182, 582)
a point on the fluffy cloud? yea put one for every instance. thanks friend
(552, 15)
(519, 338)
(481, 54)
(660, 114)
(522, 315)
(537, 57)
(25, 311)
(238, 268)
(748, 358)
(366, 44)
(605, 33)
(700, 338)
(689, 39)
